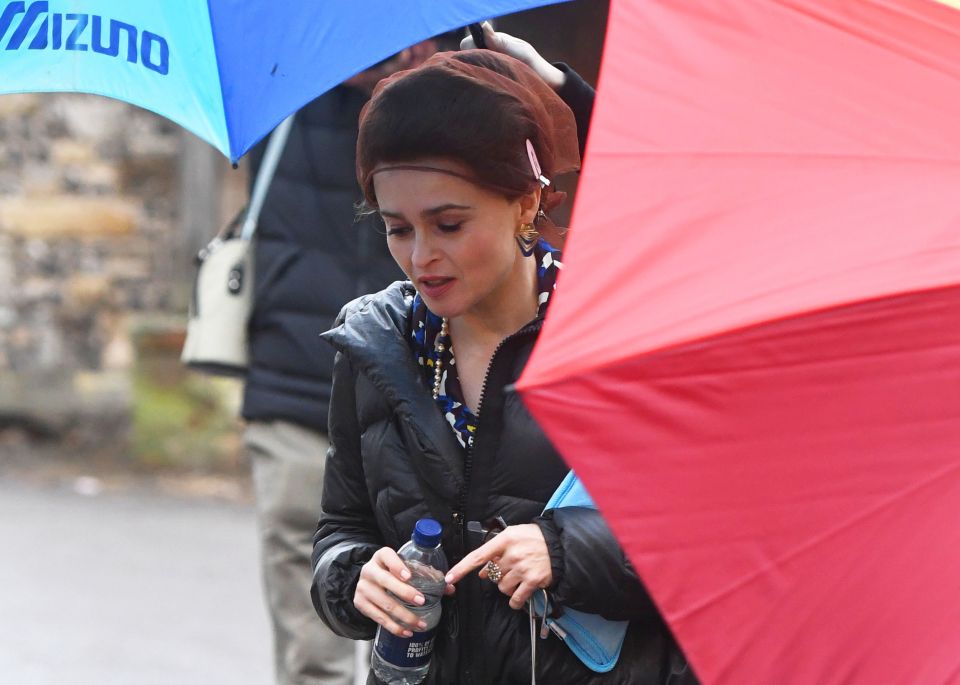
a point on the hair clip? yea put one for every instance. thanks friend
(535, 165)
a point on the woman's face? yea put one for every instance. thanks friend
(454, 240)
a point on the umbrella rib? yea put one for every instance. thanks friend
(817, 540)
(223, 101)
(954, 675)
(873, 40)
(553, 377)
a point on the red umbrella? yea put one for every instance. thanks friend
(753, 357)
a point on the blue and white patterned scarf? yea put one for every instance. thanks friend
(426, 327)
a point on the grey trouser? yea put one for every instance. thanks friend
(288, 464)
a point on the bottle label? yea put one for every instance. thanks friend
(406, 652)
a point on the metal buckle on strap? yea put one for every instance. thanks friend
(481, 533)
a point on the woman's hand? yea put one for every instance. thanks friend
(383, 588)
(521, 50)
(522, 556)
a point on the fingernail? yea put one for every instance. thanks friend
(405, 574)
(422, 625)
(448, 577)
(407, 633)
(419, 599)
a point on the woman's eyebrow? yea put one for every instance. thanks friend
(433, 211)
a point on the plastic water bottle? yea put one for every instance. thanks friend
(406, 660)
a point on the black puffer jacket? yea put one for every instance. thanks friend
(394, 459)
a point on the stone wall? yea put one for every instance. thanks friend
(92, 261)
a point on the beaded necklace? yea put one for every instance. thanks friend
(440, 345)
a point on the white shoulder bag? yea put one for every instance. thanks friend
(222, 298)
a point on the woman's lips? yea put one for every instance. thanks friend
(434, 286)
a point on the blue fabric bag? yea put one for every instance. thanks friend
(595, 640)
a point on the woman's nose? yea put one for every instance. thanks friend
(424, 251)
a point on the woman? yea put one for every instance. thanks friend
(457, 157)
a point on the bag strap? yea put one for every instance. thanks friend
(278, 140)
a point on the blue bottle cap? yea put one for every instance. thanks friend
(427, 533)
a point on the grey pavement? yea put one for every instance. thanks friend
(134, 588)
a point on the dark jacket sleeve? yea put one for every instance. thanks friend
(579, 96)
(591, 573)
(347, 534)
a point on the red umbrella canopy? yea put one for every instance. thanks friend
(753, 357)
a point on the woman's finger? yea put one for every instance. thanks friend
(383, 579)
(382, 603)
(400, 614)
(485, 570)
(381, 592)
(390, 560)
(480, 556)
(387, 570)
(522, 593)
(509, 582)
(376, 614)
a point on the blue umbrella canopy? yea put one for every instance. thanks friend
(227, 70)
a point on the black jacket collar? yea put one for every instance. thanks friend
(373, 333)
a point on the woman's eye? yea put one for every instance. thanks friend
(397, 231)
(449, 228)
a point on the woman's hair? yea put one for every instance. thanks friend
(476, 107)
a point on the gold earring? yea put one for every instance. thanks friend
(527, 237)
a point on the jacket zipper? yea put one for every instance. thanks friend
(460, 513)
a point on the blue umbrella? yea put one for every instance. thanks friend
(227, 70)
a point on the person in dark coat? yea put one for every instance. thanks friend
(457, 156)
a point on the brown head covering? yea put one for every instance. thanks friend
(548, 120)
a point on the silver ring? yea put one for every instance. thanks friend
(493, 572)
